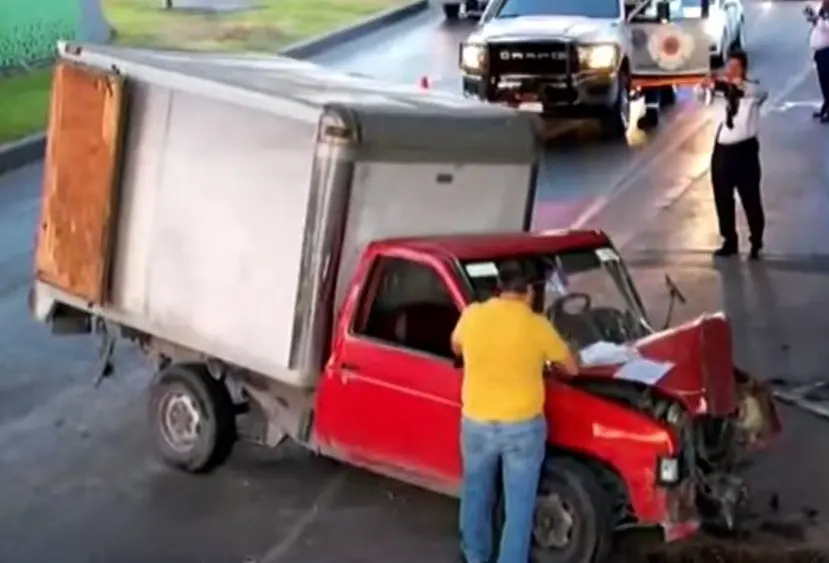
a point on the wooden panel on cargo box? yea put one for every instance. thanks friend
(80, 175)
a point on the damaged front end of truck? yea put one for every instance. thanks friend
(676, 463)
(719, 414)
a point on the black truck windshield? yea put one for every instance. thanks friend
(587, 294)
(586, 8)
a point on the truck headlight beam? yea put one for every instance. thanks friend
(473, 57)
(598, 57)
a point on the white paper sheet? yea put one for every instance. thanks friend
(643, 370)
(607, 354)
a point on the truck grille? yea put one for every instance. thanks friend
(536, 58)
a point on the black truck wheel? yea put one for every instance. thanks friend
(192, 418)
(572, 516)
(667, 96)
(451, 11)
(615, 123)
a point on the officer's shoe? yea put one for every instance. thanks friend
(754, 253)
(725, 250)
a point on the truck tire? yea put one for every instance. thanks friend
(650, 120)
(192, 418)
(451, 12)
(667, 96)
(568, 490)
(615, 123)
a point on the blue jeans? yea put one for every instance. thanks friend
(517, 449)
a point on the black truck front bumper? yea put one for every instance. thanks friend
(581, 96)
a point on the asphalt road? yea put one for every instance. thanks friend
(77, 484)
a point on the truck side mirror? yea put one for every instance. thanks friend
(663, 11)
(674, 294)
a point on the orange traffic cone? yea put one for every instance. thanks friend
(424, 82)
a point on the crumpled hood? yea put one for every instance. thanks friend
(692, 362)
(588, 30)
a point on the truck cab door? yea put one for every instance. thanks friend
(672, 50)
(390, 398)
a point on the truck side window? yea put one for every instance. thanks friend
(408, 304)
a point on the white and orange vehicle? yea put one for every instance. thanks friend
(577, 59)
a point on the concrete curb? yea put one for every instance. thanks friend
(315, 46)
(31, 149)
(20, 153)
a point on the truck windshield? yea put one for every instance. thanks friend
(586, 8)
(587, 294)
(680, 9)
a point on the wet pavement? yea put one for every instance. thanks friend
(76, 480)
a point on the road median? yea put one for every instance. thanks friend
(296, 28)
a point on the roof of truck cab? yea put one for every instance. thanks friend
(482, 247)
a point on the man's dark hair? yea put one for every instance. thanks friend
(742, 56)
(513, 278)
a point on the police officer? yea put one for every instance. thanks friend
(735, 163)
(819, 41)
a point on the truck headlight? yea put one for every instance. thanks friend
(598, 57)
(473, 57)
(667, 471)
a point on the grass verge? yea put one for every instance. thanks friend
(257, 25)
(25, 102)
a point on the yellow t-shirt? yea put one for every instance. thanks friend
(505, 346)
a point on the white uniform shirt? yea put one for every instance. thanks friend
(819, 37)
(747, 119)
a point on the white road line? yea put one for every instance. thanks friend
(630, 176)
(321, 502)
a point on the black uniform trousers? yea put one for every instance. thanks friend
(737, 167)
(822, 66)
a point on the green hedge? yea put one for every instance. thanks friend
(29, 29)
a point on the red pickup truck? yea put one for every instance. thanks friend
(621, 453)
(310, 300)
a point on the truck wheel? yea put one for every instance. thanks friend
(572, 516)
(650, 120)
(667, 96)
(615, 124)
(451, 11)
(192, 418)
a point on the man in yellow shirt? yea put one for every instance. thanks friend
(505, 346)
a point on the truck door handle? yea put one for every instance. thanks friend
(350, 367)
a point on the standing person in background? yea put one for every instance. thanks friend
(505, 346)
(735, 162)
(819, 42)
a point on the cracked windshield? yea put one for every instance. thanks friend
(587, 294)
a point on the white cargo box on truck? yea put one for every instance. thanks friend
(220, 202)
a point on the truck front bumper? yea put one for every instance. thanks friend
(474, 7)
(471, 7)
(582, 96)
(669, 510)
(680, 519)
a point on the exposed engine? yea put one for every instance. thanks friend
(710, 444)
